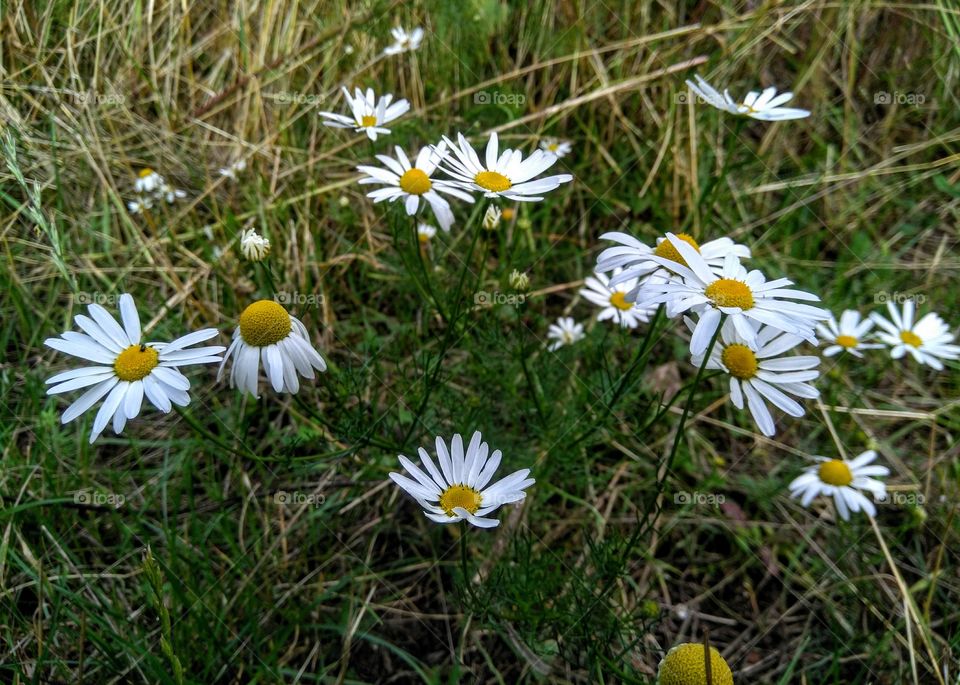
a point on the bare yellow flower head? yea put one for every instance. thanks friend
(685, 665)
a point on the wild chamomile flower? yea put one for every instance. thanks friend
(425, 232)
(764, 106)
(686, 664)
(761, 373)
(254, 246)
(151, 186)
(148, 181)
(612, 300)
(504, 174)
(747, 299)
(403, 41)
(127, 369)
(458, 490)
(230, 171)
(634, 256)
(411, 182)
(269, 334)
(848, 335)
(564, 332)
(843, 480)
(137, 206)
(560, 148)
(368, 114)
(928, 340)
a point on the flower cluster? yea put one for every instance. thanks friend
(151, 187)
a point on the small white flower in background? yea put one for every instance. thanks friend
(519, 281)
(403, 41)
(634, 256)
(458, 490)
(764, 106)
(411, 182)
(148, 181)
(126, 368)
(763, 374)
(928, 340)
(268, 333)
(171, 194)
(612, 300)
(843, 480)
(232, 170)
(137, 206)
(491, 217)
(560, 148)
(504, 174)
(254, 246)
(747, 299)
(425, 232)
(368, 114)
(848, 335)
(564, 332)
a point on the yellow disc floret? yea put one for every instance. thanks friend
(727, 292)
(146, 172)
(492, 181)
(911, 338)
(740, 361)
(368, 120)
(847, 341)
(666, 249)
(460, 496)
(685, 665)
(836, 472)
(415, 182)
(135, 362)
(264, 323)
(619, 300)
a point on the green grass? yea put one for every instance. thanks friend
(599, 571)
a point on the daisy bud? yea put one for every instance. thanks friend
(253, 246)
(491, 219)
(519, 281)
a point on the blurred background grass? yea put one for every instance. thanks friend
(597, 573)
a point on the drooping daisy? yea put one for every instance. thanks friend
(560, 148)
(928, 340)
(254, 246)
(504, 174)
(425, 232)
(411, 182)
(612, 300)
(842, 480)
(848, 335)
(369, 114)
(764, 106)
(634, 256)
(564, 332)
(458, 490)
(403, 41)
(491, 218)
(744, 297)
(762, 375)
(127, 369)
(268, 334)
(230, 171)
(685, 664)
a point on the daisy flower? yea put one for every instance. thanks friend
(403, 41)
(369, 114)
(411, 182)
(268, 333)
(504, 174)
(232, 170)
(560, 148)
(685, 664)
(634, 256)
(848, 335)
(127, 369)
(612, 300)
(425, 232)
(564, 332)
(137, 206)
(148, 181)
(458, 490)
(747, 299)
(843, 480)
(764, 375)
(928, 340)
(254, 246)
(764, 106)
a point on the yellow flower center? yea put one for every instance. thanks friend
(264, 323)
(460, 496)
(727, 292)
(685, 665)
(619, 300)
(911, 338)
(492, 181)
(146, 172)
(508, 213)
(135, 362)
(740, 361)
(847, 341)
(423, 237)
(666, 250)
(368, 120)
(553, 147)
(836, 472)
(415, 182)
